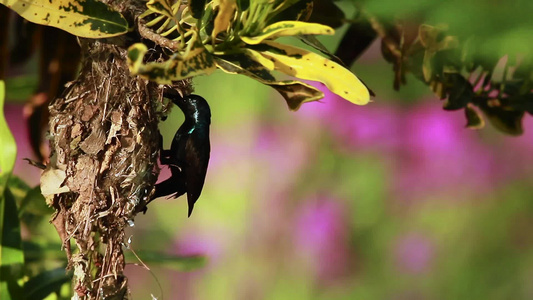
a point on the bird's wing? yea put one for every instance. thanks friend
(196, 161)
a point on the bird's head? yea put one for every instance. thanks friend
(193, 106)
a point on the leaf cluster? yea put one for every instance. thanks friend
(238, 38)
(484, 71)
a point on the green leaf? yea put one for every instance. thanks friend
(243, 4)
(8, 151)
(304, 64)
(10, 240)
(194, 62)
(11, 255)
(179, 263)
(45, 283)
(207, 23)
(34, 203)
(294, 92)
(18, 188)
(427, 65)
(84, 18)
(20, 88)
(473, 118)
(39, 250)
(161, 7)
(288, 28)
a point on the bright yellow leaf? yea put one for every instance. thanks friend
(288, 28)
(295, 93)
(84, 18)
(226, 10)
(304, 64)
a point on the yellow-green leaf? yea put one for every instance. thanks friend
(226, 10)
(84, 18)
(11, 254)
(8, 150)
(166, 21)
(304, 64)
(196, 61)
(288, 28)
(294, 92)
(162, 7)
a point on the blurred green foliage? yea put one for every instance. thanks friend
(456, 241)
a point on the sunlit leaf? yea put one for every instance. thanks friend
(162, 7)
(294, 92)
(84, 18)
(312, 41)
(195, 62)
(166, 20)
(287, 28)
(8, 151)
(304, 64)
(226, 9)
(11, 256)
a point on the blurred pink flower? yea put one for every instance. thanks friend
(361, 127)
(279, 157)
(414, 253)
(212, 245)
(437, 153)
(321, 233)
(430, 148)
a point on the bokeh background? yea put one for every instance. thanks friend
(393, 200)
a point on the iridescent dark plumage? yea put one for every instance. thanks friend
(188, 156)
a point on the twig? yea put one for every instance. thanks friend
(146, 33)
